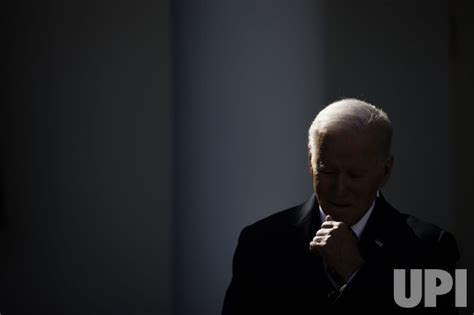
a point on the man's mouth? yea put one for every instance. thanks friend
(340, 204)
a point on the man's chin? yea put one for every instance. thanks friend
(340, 212)
(340, 207)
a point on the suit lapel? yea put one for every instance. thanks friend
(304, 219)
(377, 231)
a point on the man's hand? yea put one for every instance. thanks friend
(337, 245)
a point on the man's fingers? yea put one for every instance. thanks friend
(328, 224)
(319, 238)
(332, 224)
(322, 232)
(317, 245)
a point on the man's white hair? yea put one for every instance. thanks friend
(351, 115)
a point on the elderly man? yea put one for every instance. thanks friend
(336, 253)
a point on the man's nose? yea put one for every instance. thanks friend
(341, 184)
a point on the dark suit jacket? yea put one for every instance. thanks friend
(275, 273)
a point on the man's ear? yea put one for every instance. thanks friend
(310, 166)
(387, 170)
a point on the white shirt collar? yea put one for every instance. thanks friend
(359, 227)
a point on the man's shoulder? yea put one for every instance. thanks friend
(413, 233)
(422, 229)
(277, 220)
(276, 225)
(416, 227)
(433, 235)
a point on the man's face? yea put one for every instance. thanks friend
(349, 171)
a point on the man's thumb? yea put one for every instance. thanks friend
(329, 218)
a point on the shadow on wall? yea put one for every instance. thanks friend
(462, 109)
(3, 219)
(86, 155)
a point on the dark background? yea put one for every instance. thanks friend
(139, 137)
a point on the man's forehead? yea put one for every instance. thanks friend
(353, 162)
(363, 139)
(342, 131)
(351, 150)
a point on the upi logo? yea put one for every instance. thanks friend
(437, 282)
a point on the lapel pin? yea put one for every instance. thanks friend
(379, 242)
